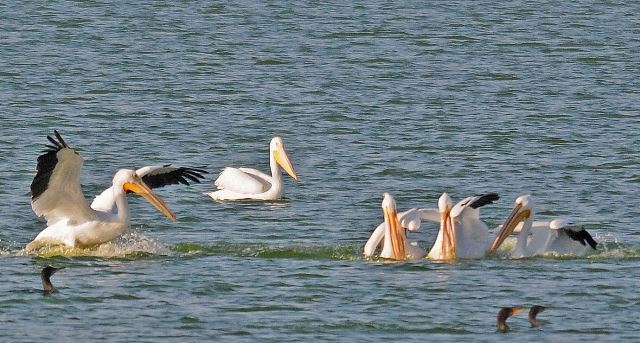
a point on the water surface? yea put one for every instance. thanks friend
(410, 98)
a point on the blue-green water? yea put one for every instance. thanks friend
(411, 98)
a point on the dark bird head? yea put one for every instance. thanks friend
(503, 314)
(533, 312)
(45, 274)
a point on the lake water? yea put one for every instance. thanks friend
(410, 98)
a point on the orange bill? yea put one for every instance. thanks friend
(514, 218)
(140, 188)
(283, 160)
(398, 240)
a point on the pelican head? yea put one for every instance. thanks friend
(277, 150)
(396, 232)
(522, 211)
(447, 227)
(131, 182)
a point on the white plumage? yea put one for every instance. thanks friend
(559, 236)
(462, 233)
(395, 245)
(410, 220)
(58, 197)
(248, 183)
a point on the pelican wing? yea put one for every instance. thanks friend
(484, 199)
(55, 191)
(105, 201)
(573, 231)
(470, 205)
(580, 235)
(412, 219)
(239, 181)
(154, 177)
(160, 176)
(374, 240)
(267, 179)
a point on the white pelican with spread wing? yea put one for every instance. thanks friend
(248, 183)
(559, 236)
(56, 194)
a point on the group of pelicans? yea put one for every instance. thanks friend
(57, 196)
(73, 222)
(462, 234)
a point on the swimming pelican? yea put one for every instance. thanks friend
(248, 183)
(444, 246)
(57, 195)
(410, 220)
(395, 245)
(465, 235)
(559, 236)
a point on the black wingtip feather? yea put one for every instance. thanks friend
(592, 242)
(200, 170)
(64, 144)
(46, 164)
(485, 199)
(53, 141)
(56, 145)
(583, 237)
(181, 175)
(193, 178)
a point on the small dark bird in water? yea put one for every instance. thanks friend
(505, 313)
(533, 312)
(45, 274)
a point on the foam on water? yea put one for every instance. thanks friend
(129, 245)
(135, 246)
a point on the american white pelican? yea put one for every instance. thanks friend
(444, 246)
(410, 220)
(248, 183)
(462, 234)
(559, 236)
(392, 230)
(57, 195)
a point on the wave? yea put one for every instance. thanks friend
(136, 246)
(262, 250)
(609, 247)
